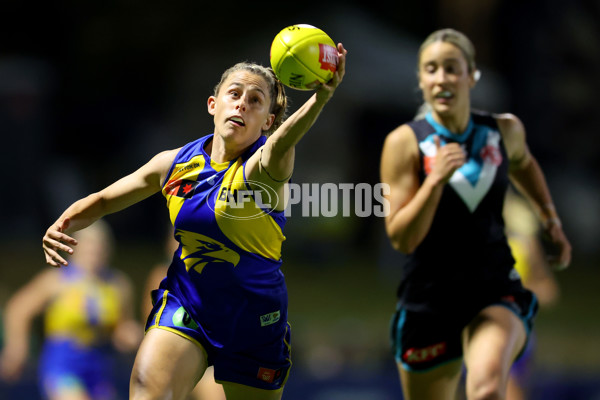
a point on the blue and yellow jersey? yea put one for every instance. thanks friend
(79, 322)
(85, 312)
(226, 270)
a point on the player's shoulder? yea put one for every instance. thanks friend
(163, 160)
(400, 146)
(508, 122)
(400, 137)
(513, 135)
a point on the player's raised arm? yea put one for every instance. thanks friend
(123, 193)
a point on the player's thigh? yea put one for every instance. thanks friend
(236, 391)
(166, 363)
(439, 383)
(492, 341)
(69, 394)
(207, 388)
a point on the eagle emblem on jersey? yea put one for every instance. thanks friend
(473, 180)
(199, 250)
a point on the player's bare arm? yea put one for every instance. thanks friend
(123, 193)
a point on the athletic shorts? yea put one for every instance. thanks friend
(425, 340)
(66, 366)
(263, 367)
(522, 368)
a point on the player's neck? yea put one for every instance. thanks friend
(220, 152)
(456, 123)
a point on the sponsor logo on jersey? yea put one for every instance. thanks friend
(181, 188)
(424, 354)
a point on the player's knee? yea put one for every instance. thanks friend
(485, 392)
(485, 386)
(144, 386)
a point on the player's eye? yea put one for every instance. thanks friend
(430, 69)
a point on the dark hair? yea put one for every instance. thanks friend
(279, 99)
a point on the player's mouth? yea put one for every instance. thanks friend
(444, 95)
(239, 121)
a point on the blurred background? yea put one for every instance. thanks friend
(89, 91)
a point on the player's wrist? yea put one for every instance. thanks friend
(549, 216)
(434, 181)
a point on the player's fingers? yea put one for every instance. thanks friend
(58, 236)
(57, 244)
(341, 66)
(57, 240)
(53, 258)
(565, 257)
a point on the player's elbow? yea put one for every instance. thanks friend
(402, 244)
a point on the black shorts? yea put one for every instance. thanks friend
(425, 340)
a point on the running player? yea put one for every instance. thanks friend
(448, 170)
(224, 300)
(88, 314)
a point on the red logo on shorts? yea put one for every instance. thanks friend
(414, 355)
(268, 375)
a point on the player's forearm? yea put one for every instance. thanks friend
(116, 197)
(278, 152)
(530, 181)
(83, 212)
(297, 125)
(409, 226)
(17, 327)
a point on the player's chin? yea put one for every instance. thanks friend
(444, 108)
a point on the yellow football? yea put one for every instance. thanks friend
(303, 54)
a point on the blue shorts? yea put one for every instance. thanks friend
(67, 365)
(522, 368)
(424, 340)
(264, 366)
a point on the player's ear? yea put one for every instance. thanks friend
(475, 76)
(268, 122)
(212, 105)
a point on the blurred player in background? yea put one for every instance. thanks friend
(523, 233)
(224, 300)
(87, 309)
(460, 298)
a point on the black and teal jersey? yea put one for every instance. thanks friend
(465, 250)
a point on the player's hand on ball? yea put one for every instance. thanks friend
(325, 90)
